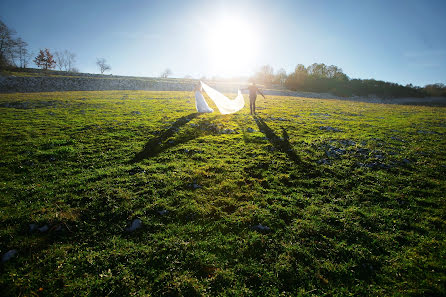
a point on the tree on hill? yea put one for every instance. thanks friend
(102, 64)
(318, 70)
(280, 77)
(71, 59)
(296, 80)
(60, 59)
(23, 56)
(321, 78)
(265, 75)
(166, 73)
(300, 68)
(6, 43)
(65, 60)
(13, 52)
(336, 73)
(45, 60)
(436, 90)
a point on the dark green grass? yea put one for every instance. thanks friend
(353, 194)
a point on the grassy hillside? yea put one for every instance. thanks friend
(309, 198)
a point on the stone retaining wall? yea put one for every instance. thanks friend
(10, 84)
(13, 84)
(18, 84)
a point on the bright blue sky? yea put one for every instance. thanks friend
(398, 41)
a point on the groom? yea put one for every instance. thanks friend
(253, 89)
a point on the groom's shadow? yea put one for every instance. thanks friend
(279, 143)
(158, 144)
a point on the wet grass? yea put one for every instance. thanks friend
(308, 198)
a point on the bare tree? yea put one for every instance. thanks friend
(7, 44)
(60, 59)
(166, 73)
(71, 60)
(65, 60)
(13, 51)
(12, 54)
(102, 64)
(23, 55)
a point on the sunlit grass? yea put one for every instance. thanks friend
(352, 194)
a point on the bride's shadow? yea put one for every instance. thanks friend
(158, 144)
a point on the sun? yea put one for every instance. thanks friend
(233, 46)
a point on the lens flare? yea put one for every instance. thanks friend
(232, 45)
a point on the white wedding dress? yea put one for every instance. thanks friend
(223, 103)
(201, 104)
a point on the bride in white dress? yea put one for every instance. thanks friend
(200, 103)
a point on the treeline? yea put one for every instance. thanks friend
(435, 90)
(14, 53)
(321, 78)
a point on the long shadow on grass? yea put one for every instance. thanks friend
(280, 143)
(158, 144)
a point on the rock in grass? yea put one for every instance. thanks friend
(163, 212)
(250, 130)
(278, 119)
(136, 224)
(328, 128)
(347, 142)
(333, 152)
(43, 228)
(397, 139)
(260, 228)
(33, 227)
(320, 114)
(375, 165)
(363, 151)
(8, 255)
(405, 162)
(228, 131)
(324, 162)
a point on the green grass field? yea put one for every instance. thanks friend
(352, 197)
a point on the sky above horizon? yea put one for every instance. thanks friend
(396, 41)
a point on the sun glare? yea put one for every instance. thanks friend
(232, 47)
